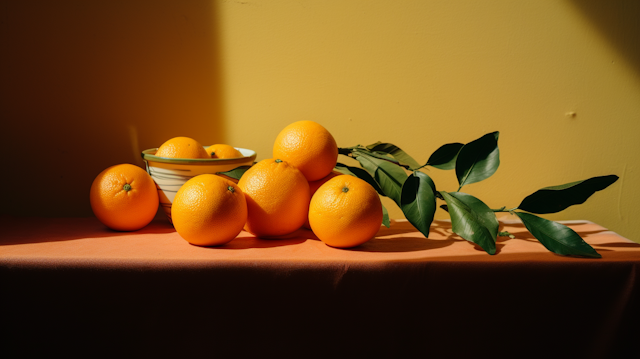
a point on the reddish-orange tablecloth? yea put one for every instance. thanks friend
(72, 286)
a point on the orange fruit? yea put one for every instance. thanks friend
(209, 210)
(182, 147)
(223, 151)
(345, 212)
(313, 187)
(277, 198)
(124, 197)
(309, 147)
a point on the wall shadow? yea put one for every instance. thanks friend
(90, 84)
(618, 22)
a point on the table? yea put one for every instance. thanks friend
(72, 286)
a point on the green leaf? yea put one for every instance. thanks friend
(444, 157)
(360, 173)
(235, 173)
(385, 217)
(402, 157)
(390, 177)
(557, 198)
(478, 160)
(418, 201)
(557, 237)
(485, 214)
(470, 220)
(380, 155)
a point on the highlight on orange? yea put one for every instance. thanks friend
(209, 210)
(221, 150)
(309, 147)
(345, 212)
(277, 196)
(182, 147)
(313, 187)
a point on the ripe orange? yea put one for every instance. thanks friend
(309, 147)
(345, 212)
(277, 198)
(313, 187)
(124, 197)
(209, 210)
(182, 147)
(223, 151)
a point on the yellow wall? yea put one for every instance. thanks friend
(89, 84)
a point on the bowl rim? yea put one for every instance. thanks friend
(250, 155)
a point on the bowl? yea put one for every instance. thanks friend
(170, 174)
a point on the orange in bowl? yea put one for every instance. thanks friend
(221, 150)
(182, 147)
(169, 174)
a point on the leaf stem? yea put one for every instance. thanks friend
(506, 234)
(503, 209)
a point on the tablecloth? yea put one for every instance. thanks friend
(72, 286)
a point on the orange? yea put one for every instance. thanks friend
(345, 212)
(309, 147)
(313, 187)
(124, 197)
(182, 147)
(209, 210)
(277, 198)
(223, 151)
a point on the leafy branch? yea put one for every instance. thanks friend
(385, 167)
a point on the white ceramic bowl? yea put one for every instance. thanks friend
(170, 174)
